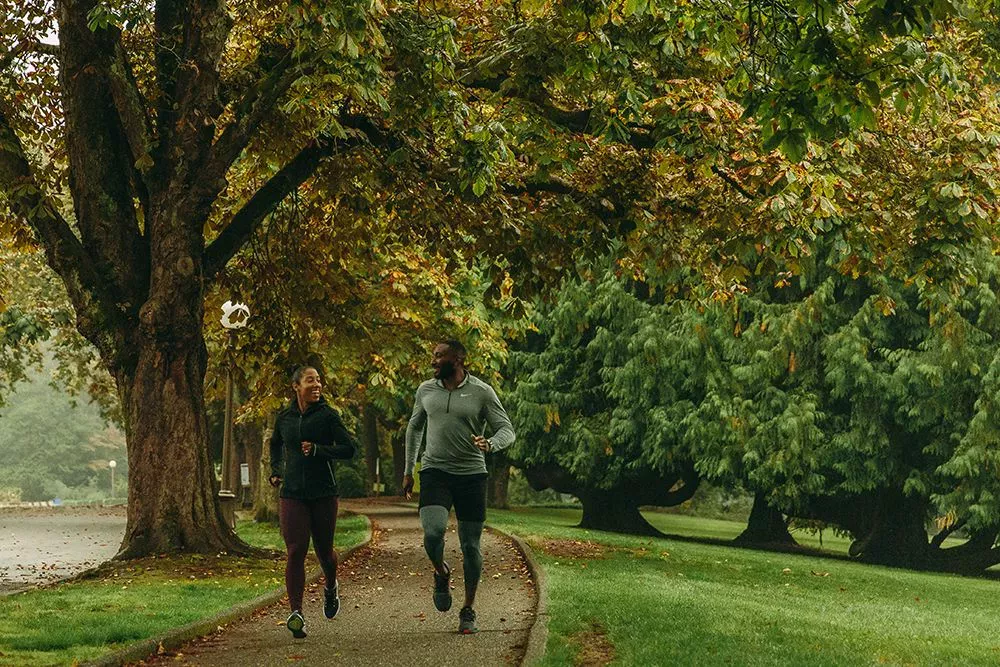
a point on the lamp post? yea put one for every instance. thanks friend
(112, 464)
(234, 316)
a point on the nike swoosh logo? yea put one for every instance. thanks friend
(464, 395)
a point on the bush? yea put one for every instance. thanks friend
(350, 482)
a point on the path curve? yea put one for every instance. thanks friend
(387, 615)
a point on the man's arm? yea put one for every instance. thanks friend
(414, 432)
(503, 431)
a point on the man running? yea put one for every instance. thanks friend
(454, 409)
(308, 436)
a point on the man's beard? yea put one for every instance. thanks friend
(446, 369)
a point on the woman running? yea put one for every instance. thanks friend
(308, 436)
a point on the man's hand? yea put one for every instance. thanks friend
(274, 480)
(308, 448)
(408, 486)
(482, 443)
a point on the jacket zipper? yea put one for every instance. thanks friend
(448, 408)
(300, 449)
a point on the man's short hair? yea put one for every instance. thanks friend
(456, 347)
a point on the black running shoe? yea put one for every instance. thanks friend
(331, 600)
(467, 621)
(442, 590)
(297, 624)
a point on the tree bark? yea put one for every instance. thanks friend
(898, 535)
(265, 500)
(890, 529)
(765, 526)
(369, 432)
(614, 511)
(172, 504)
(250, 437)
(498, 466)
(398, 458)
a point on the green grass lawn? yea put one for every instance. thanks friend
(128, 602)
(666, 602)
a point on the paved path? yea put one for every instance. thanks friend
(40, 545)
(387, 615)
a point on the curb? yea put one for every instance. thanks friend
(178, 636)
(539, 632)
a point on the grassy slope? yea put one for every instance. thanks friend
(666, 602)
(128, 602)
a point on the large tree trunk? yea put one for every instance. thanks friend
(898, 534)
(765, 526)
(498, 466)
(890, 529)
(369, 430)
(398, 458)
(250, 438)
(172, 505)
(613, 511)
(265, 499)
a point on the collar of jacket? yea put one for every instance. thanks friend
(293, 407)
(460, 384)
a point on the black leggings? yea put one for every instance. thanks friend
(299, 519)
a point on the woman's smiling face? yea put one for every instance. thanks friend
(309, 387)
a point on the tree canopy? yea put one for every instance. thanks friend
(453, 150)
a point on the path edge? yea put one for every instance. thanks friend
(538, 634)
(177, 637)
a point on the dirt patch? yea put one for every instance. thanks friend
(574, 549)
(595, 647)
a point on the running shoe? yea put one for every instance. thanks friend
(442, 589)
(331, 600)
(297, 624)
(467, 621)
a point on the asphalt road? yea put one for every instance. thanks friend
(44, 544)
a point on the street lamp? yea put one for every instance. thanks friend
(112, 464)
(234, 316)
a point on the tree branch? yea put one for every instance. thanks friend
(133, 111)
(100, 162)
(661, 495)
(191, 37)
(724, 175)
(246, 221)
(248, 114)
(28, 46)
(63, 251)
(943, 534)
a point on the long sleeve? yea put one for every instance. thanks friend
(503, 431)
(414, 433)
(277, 449)
(343, 446)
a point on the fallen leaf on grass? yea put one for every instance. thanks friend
(819, 574)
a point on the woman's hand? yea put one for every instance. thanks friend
(274, 480)
(308, 448)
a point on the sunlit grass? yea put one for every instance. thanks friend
(668, 602)
(128, 602)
